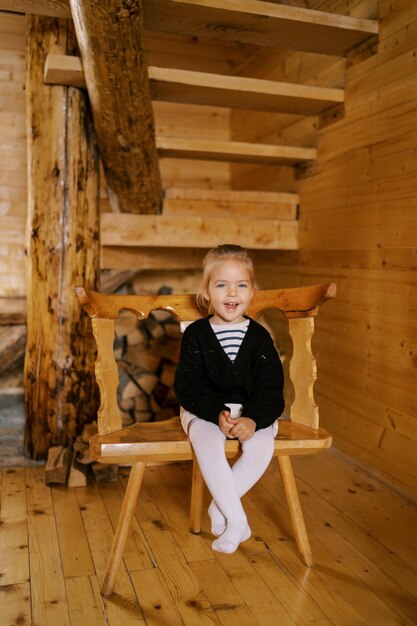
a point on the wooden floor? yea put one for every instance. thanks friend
(54, 544)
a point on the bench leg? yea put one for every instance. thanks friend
(119, 541)
(294, 505)
(197, 497)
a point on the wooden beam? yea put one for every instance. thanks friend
(248, 21)
(63, 69)
(196, 232)
(172, 85)
(260, 23)
(233, 151)
(362, 51)
(331, 116)
(62, 247)
(110, 38)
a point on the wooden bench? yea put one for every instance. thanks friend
(166, 441)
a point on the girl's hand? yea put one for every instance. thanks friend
(226, 423)
(243, 428)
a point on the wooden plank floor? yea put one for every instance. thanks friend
(54, 543)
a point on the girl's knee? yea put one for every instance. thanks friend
(261, 443)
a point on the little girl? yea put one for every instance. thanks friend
(229, 382)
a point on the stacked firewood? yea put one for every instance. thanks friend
(147, 353)
(71, 466)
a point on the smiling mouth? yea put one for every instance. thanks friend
(231, 304)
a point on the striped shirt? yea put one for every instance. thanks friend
(230, 337)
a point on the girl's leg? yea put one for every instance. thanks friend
(256, 455)
(208, 444)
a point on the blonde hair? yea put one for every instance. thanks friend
(224, 252)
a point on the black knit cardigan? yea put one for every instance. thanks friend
(206, 379)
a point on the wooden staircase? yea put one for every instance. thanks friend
(200, 218)
(204, 217)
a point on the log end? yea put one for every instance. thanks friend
(331, 291)
(82, 295)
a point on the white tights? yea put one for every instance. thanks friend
(228, 484)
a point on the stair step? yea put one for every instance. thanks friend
(260, 23)
(172, 85)
(249, 21)
(168, 231)
(231, 195)
(233, 151)
(230, 203)
(226, 203)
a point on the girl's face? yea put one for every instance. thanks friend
(229, 291)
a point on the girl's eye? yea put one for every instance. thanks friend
(221, 285)
(243, 285)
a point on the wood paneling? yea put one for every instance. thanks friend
(358, 227)
(13, 177)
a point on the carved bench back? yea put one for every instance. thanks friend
(299, 306)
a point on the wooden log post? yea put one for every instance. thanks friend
(110, 36)
(62, 247)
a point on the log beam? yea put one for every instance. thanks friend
(110, 37)
(62, 246)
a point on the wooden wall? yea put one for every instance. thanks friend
(359, 227)
(13, 183)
